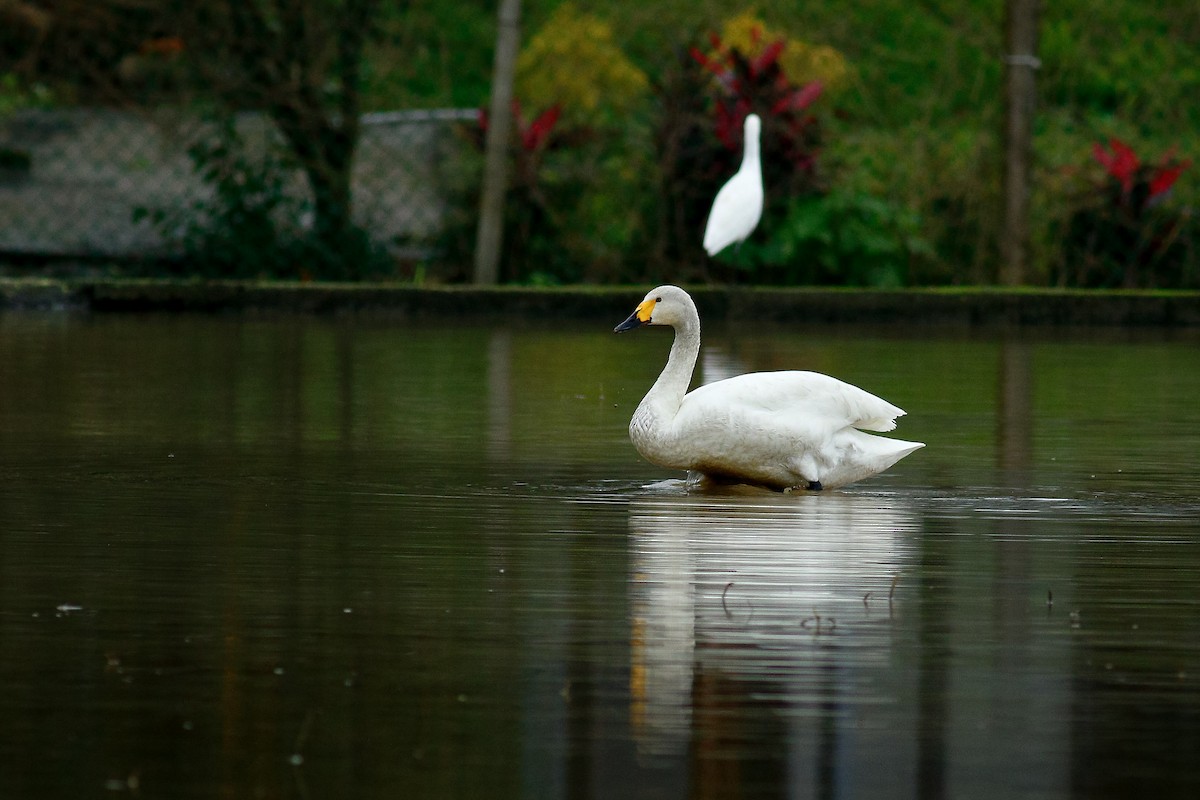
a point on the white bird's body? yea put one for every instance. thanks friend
(738, 206)
(777, 429)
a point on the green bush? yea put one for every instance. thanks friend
(577, 195)
(915, 126)
(251, 222)
(704, 99)
(1124, 231)
(840, 239)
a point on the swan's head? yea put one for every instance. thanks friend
(666, 305)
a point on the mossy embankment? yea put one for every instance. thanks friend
(941, 306)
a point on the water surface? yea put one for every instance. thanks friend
(351, 558)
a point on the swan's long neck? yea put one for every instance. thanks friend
(667, 393)
(652, 428)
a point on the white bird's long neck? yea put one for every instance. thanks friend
(668, 391)
(750, 155)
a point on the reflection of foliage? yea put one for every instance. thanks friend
(1123, 234)
(574, 62)
(251, 225)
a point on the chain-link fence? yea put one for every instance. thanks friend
(75, 179)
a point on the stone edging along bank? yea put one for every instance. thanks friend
(942, 306)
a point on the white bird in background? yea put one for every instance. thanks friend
(781, 430)
(738, 206)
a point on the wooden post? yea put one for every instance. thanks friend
(490, 236)
(1020, 93)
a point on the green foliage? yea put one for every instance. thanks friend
(575, 206)
(1124, 231)
(914, 125)
(250, 225)
(586, 200)
(946, 177)
(14, 95)
(577, 193)
(1136, 59)
(802, 62)
(705, 99)
(840, 238)
(240, 230)
(574, 61)
(431, 53)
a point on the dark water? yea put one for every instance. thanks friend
(328, 559)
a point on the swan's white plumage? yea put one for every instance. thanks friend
(738, 205)
(779, 429)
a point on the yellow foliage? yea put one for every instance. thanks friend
(574, 61)
(801, 62)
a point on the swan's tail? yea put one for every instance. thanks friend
(883, 452)
(875, 454)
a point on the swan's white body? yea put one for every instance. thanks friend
(777, 429)
(738, 205)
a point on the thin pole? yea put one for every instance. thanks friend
(490, 235)
(1020, 94)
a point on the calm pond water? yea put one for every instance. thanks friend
(314, 558)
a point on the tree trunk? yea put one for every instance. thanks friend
(1021, 62)
(490, 237)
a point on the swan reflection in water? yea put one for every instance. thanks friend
(746, 597)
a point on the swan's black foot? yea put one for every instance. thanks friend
(815, 486)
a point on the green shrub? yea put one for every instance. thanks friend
(840, 239)
(915, 125)
(705, 99)
(250, 224)
(1123, 231)
(577, 196)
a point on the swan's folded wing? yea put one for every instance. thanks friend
(834, 403)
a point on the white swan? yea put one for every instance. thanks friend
(738, 205)
(782, 430)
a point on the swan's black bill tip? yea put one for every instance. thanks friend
(629, 324)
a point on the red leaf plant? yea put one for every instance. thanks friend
(533, 135)
(757, 83)
(1120, 163)
(1149, 184)
(1121, 233)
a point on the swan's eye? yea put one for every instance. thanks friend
(658, 299)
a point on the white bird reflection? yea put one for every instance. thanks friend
(751, 587)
